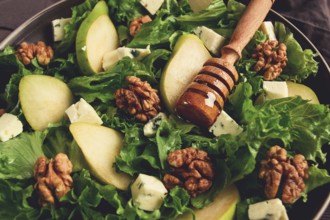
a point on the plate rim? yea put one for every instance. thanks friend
(8, 40)
(12, 37)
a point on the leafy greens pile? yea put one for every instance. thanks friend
(290, 122)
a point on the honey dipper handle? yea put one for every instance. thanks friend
(248, 24)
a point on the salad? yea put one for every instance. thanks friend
(141, 146)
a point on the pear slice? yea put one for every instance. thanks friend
(188, 57)
(199, 5)
(100, 145)
(283, 89)
(297, 89)
(96, 36)
(44, 100)
(222, 208)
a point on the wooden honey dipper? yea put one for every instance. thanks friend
(204, 98)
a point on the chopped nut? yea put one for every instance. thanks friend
(301, 165)
(171, 181)
(2, 111)
(136, 23)
(191, 169)
(139, 99)
(26, 52)
(53, 180)
(178, 158)
(277, 168)
(271, 59)
(271, 170)
(293, 186)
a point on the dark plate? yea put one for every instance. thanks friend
(39, 28)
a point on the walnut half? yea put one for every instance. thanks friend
(53, 179)
(26, 52)
(2, 111)
(278, 169)
(139, 99)
(271, 59)
(191, 169)
(136, 23)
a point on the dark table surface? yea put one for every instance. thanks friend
(312, 17)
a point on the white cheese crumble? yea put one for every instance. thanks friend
(112, 57)
(83, 112)
(58, 28)
(212, 40)
(267, 28)
(224, 124)
(270, 210)
(273, 90)
(150, 128)
(152, 5)
(10, 126)
(148, 192)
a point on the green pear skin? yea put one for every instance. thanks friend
(96, 36)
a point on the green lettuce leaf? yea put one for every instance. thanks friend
(301, 63)
(14, 200)
(233, 13)
(317, 177)
(18, 155)
(291, 122)
(155, 33)
(63, 68)
(208, 17)
(308, 125)
(12, 70)
(102, 87)
(9, 64)
(90, 200)
(132, 212)
(139, 154)
(157, 58)
(176, 8)
(176, 203)
(252, 189)
(242, 207)
(169, 137)
(79, 13)
(124, 11)
(60, 140)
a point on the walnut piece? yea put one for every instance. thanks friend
(278, 169)
(139, 99)
(2, 111)
(53, 179)
(136, 23)
(190, 168)
(26, 52)
(271, 59)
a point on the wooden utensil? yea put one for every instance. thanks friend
(204, 98)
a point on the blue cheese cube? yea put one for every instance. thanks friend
(148, 192)
(211, 39)
(10, 126)
(273, 90)
(112, 57)
(270, 210)
(152, 5)
(224, 124)
(267, 28)
(150, 128)
(83, 112)
(58, 28)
